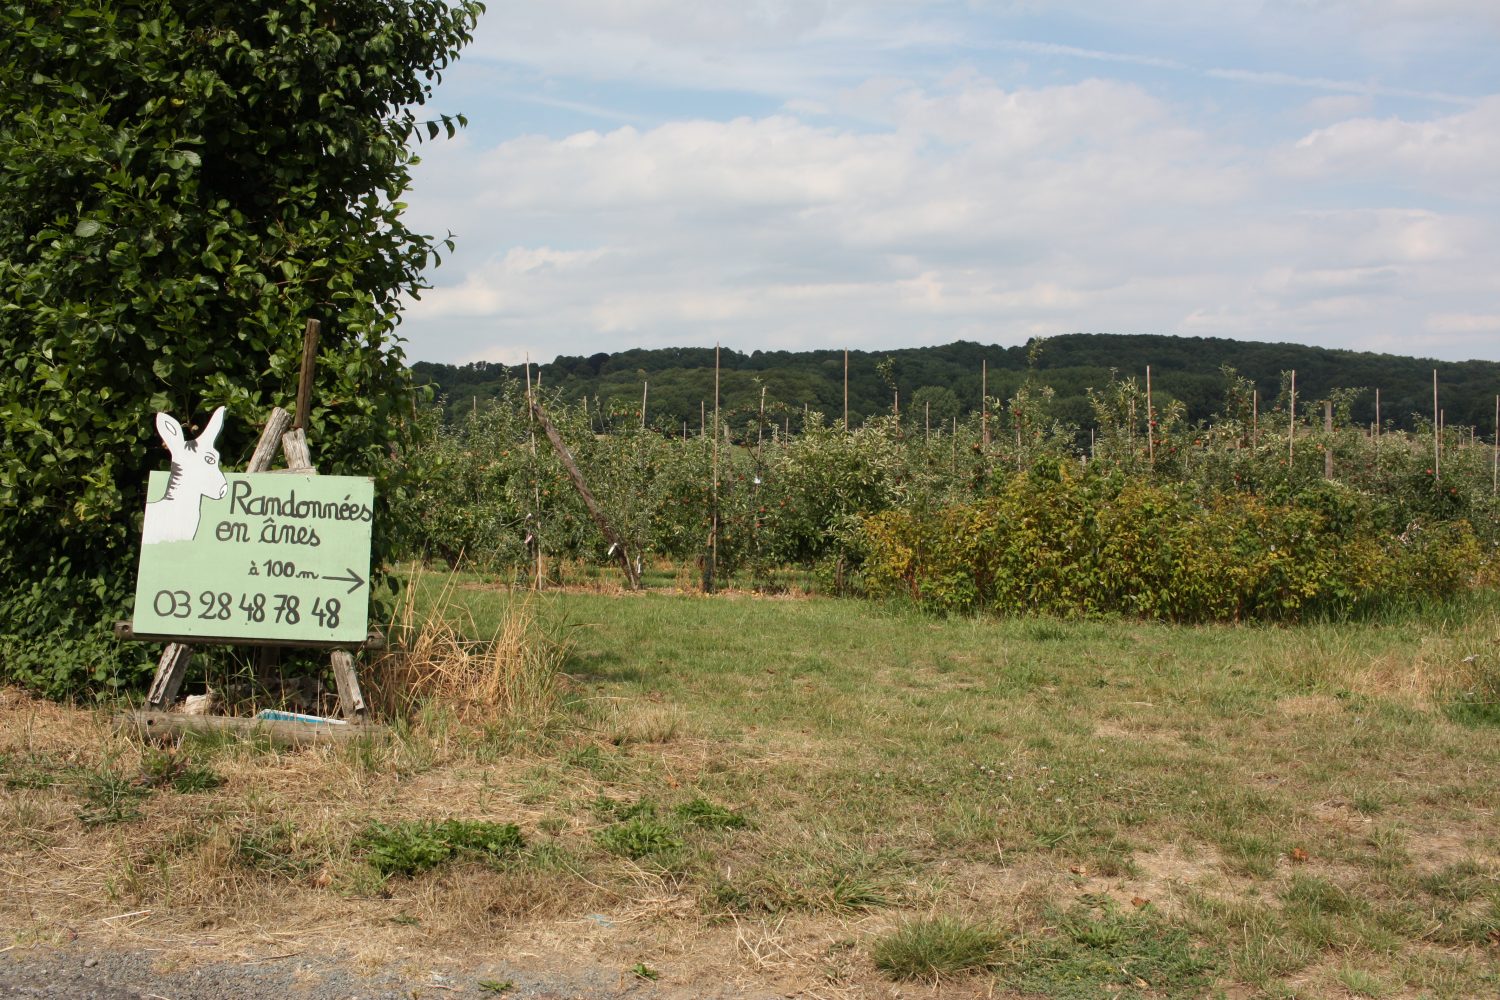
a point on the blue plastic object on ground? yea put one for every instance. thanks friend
(272, 715)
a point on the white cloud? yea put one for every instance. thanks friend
(1456, 154)
(881, 208)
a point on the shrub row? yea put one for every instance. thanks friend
(1060, 541)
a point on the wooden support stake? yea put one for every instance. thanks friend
(1437, 440)
(846, 390)
(1150, 423)
(298, 457)
(536, 490)
(1291, 427)
(712, 569)
(170, 670)
(760, 426)
(616, 543)
(265, 449)
(351, 700)
(305, 381)
(1328, 442)
(984, 402)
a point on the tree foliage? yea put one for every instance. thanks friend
(1185, 369)
(184, 184)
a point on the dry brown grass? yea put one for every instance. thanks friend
(431, 659)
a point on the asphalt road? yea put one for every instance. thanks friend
(75, 972)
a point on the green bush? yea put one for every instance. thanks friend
(185, 185)
(1059, 542)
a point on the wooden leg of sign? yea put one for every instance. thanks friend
(268, 668)
(351, 701)
(265, 449)
(298, 455)
(169, 674)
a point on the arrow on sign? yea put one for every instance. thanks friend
(353, 579)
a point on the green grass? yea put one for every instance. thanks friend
(932, 948)
(413, 846)
(1103, 952)
(877, 747)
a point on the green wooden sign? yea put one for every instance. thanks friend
(268, 556)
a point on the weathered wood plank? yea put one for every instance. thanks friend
(294, 447)
(305, 379)
(170, 670)
(157, 725)
(265, 449)
(351, 699)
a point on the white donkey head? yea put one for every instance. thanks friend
(195, 474)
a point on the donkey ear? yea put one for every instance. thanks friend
(211, 431)
(170, 431)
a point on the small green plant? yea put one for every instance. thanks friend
(496, 985)
(639, 838)
(414, 846)
(641, 970)
(165, 769)
(929, 949)
(615, 810)
(272, 849)
(1100, 951)
(108, 798)
(700, 812)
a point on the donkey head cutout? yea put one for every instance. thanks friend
(195, 474)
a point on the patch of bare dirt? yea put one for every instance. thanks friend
(1304, 706)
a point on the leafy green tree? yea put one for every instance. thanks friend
(936, 404)
(184, 182)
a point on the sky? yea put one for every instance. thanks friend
(876, 174)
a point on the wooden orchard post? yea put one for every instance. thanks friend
(305, 380)
(1328, 436)
(616, 543)
(1150, 423)
(1291, 428)
(984, 402)
(1437, 434)
(711, 566)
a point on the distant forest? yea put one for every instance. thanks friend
(945, 381)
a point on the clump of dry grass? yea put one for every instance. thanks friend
(431, 660)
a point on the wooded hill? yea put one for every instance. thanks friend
(945, 381)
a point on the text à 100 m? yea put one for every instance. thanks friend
(218, 605)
